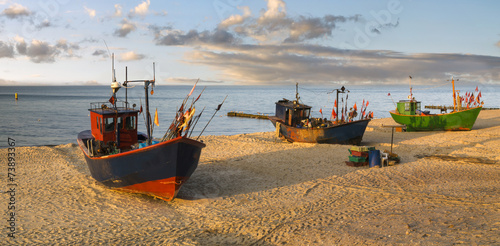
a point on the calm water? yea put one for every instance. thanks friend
(52, 115)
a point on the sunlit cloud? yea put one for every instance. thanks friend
(16, 11)
(118, 10)
(141, 9)
(90, 12)
(131, 56)
(271, 64)
(126, 27)
(236, 19)
(41, 52)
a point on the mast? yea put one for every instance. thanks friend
(341, 90)
(411, 92)
(297, 92)
(125, 84)
(146, 91)
(148, 116)
(454, 95)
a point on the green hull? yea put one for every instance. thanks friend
(462, 120)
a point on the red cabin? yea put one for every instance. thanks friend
(118, 125)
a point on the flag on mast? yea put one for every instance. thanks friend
(157, 122)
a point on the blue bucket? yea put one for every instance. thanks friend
(374, 158)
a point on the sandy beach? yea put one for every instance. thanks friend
(254, 189)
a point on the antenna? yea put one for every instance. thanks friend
(113, 78)
(411, 92)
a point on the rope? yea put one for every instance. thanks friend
(428, 88)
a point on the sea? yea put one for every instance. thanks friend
(54, 115)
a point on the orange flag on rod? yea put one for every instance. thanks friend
(355, 107)
(192, 89)
(157, 122)
(334, 115)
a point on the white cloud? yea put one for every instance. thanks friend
(141, 9)
(131, 56)
(126, 27)
(16, 11)
(118, 10)
(275, 9)
(236, 19)
(90, 12)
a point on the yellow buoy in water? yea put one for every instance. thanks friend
(16, 96)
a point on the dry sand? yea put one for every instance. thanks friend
(252, 189)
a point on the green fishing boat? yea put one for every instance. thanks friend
(464, 114)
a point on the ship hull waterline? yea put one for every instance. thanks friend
(455, 121)
(157, 170)
(348, 133)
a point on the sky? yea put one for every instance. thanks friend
(243, 42)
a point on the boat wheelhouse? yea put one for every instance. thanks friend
(112, 126)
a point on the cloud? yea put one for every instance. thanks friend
(16, 11)
(193, 37)
(306, 28)
(270, 64)
(90, 12)
(271, 26)
(125, 28)
(102, 53)
(131, 56)
(236, 19)
(20, 45)
(118, 10)
(41, 52)
(276, 9)
(6, 50)
(68, 48)
(141, 9)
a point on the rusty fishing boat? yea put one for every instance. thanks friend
(465, 111)
(121, 158)
(294, 123)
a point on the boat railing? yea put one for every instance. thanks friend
(94, 106)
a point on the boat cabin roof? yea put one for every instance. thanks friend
(292, 104)
(409, 101)
(106, 108)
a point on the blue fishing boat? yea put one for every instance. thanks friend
(121, 158)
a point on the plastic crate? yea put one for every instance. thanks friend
(358, 159)
(356, 164)
(357, 153)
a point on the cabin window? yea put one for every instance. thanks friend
(109, 124)
(119, 123)
(418, 105)
(306, 113)
(407, 106)
(99, 124)
(130, 123)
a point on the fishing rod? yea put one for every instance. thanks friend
(216, 110)
(196, 122)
